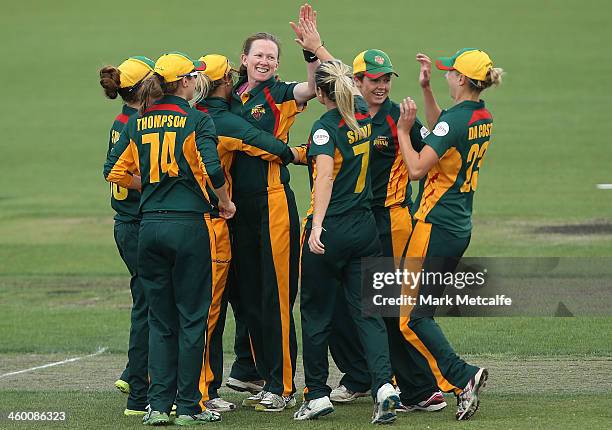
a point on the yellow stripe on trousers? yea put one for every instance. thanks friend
(401, 228)
(417, 248)
(221, 253)
(280, 240)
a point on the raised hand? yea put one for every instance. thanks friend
(425, 73)
(305, 30)
(408, 111)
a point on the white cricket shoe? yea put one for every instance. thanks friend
(468, 401)
(313, 409)
(341, 394)
(387, 401)
(219, 405)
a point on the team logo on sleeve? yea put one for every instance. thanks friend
(320, 137)
(441, 129)
(381, 142)
(424, 132)
(258, 111)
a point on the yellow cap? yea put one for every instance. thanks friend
(217, 66)
(134, 70)
(471, 62)
(175, 65)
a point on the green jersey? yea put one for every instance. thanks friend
(390, 180)
(124, 201)
(173, 148)
(460, 138)
(237, 135)
(271, 107)
(350, 150)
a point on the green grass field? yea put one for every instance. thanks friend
(63, 287)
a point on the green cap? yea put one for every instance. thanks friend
(373, 63)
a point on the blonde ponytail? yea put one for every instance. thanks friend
(204, 87)
(150, 91)
(494, 77)
(335, 79)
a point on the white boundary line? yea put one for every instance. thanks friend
(57, 363)
(604, 186)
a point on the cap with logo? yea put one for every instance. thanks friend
(134, 69)
(176, 65)
(217, 66)
(471, 62)
(373, 63)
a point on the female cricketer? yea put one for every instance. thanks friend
(173, 146)
(448, 167)
(125, 81)
(391, 204)
(266, 226)
(341, 231)
(235, 134)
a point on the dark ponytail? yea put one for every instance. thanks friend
(110, 80)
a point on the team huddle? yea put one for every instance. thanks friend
(206, 217)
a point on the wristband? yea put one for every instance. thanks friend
(309, 56)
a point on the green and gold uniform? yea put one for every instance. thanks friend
(442, 228)
(267, 234)
(235, 135)
(173, 147)
(391, 202)
(349, 235)
(125, 202)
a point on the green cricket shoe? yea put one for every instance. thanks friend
(122, 386)
(199, 419)
(156, 418)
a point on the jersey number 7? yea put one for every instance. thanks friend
(364, 149)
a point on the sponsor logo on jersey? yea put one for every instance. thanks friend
(381, 142)
(320, 137)
(441, 129)
(379, 59)
(424, 132)
(258, 111)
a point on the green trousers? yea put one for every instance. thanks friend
(135, 373)
(419, 349)
(174, 264)
(347, 239)
(223, 288)
(394, 226)
(243, 368)
(266, 262)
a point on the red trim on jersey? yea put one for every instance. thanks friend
(201, 108)
(170, 107)
(275, 110)
(358, 116)
(393, 128)
(478, 115)
(122, 118)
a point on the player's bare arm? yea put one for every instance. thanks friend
(323, 186)
(432, 110)
(418, 163)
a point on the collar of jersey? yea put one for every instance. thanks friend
(129, 111)
(256, 90)
(215, 102)
(175, 100)
(468, 104)
(381, 115)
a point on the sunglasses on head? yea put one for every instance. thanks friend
(191, 74)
